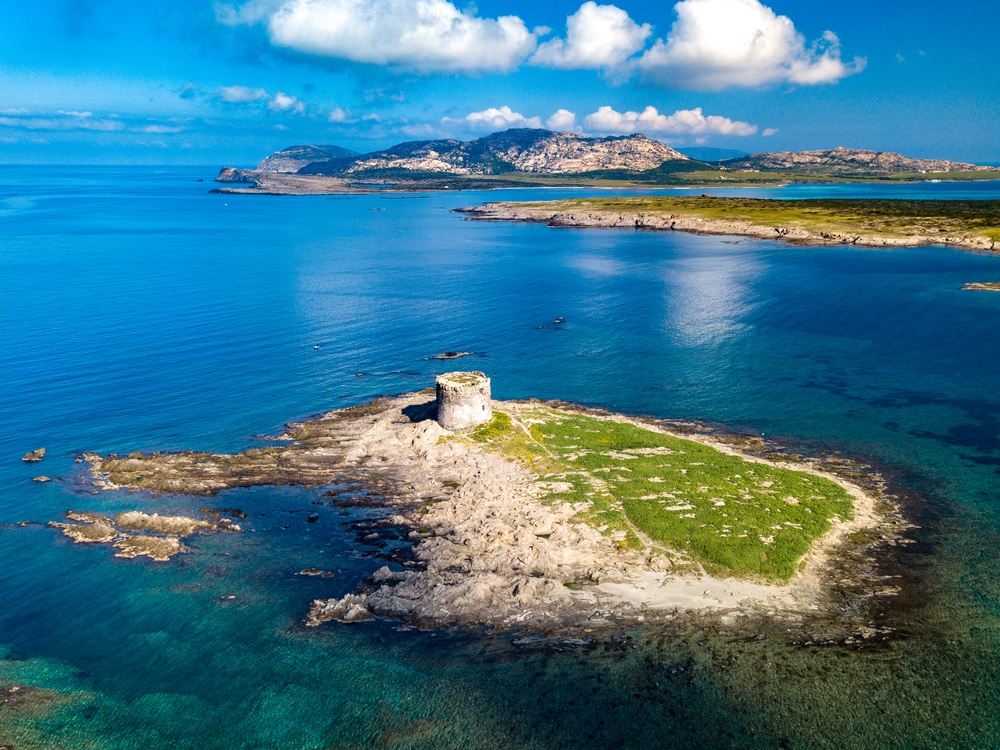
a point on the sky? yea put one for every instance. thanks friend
(226, 82)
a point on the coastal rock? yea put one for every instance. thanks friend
(451, 355)
(33, 456)
(982, 286)
(231, 174)
(156, 548)
(41, 478)
(136, 534)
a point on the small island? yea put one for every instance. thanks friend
(971, 225)
(982, 286)
(546, 515)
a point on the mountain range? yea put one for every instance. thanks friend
(529, 151)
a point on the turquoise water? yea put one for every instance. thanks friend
(138, 312)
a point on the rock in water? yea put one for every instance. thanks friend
(33, 456)
(463, 400)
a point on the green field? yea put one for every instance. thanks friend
(648, 490)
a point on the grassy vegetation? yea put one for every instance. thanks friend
(646, 489)
(891, 218)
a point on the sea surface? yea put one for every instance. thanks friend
(140, 312)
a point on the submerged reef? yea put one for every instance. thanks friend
(137, 534)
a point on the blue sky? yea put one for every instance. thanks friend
(229, 81)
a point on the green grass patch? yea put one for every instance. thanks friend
(646, 489)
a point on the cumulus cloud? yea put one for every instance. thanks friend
(716, 44)
(339, 114)
(422, 35)
(240, 94)
(597, 36)
(562, 120)
(681, 122)
(768, 132)
(282, 102)
(494, 119)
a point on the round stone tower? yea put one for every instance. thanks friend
(463, 400)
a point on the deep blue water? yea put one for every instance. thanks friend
(139, 312)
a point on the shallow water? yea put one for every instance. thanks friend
(138, 312)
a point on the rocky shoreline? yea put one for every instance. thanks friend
(488, 551)
(596, 217)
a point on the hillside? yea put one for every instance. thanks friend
(530, 157)
(845, 162)
(516, 150)
(293, 158)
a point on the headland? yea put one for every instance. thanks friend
(970, 225)
(553, 517)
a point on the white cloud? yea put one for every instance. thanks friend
(160, 129)
(423, 35)
(338, 114)
(494, 119)
(681, 122)
(715, 44)
(64, 121)
(282, 102)
(597, 36)
(562, 120)
(240, 94)
(768, 132)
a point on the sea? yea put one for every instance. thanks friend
(140, 312)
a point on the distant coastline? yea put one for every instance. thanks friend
(533, 157)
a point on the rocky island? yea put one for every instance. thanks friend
(545, 515)
(971, 225)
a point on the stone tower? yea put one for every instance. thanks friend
(463, 400)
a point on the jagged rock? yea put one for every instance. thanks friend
(231, 174)
(33, 456)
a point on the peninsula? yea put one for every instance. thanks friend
(552, 516)
(972, 225)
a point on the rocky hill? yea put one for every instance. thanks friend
(845, 161)
(516, 150)
(293, 158)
